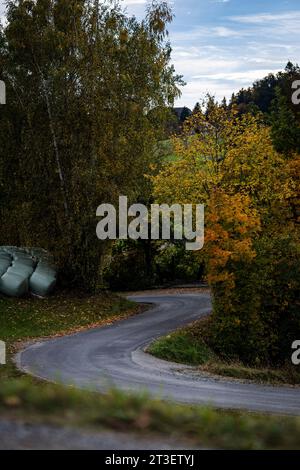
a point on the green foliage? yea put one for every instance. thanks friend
(285, 128)
(261, 95)
(237, 330)
(136, 265)
(166, 150)
(273, 96)
(190, 345)
(81, 80)
(181, 347)
(174, 263)
(278, 267)
(131, 266)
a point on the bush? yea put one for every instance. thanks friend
(258, 320)
(143, 264)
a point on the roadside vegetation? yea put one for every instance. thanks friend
(65, 312)
(181, 347)
(201, 426)
(190, 346)
(35, 401)
(251, 253)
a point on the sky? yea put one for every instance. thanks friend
(220, 46)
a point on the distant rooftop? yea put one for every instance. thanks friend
(182, 113)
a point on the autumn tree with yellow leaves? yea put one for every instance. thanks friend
(252, 250)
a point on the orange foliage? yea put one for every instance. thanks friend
(231, 224)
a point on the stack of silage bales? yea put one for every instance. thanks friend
(24, 270)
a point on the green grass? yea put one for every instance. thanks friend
(166, 148)
(167, 152)
(186, 346)
(201, 426)
(64, 312)
(181, 348)
(32, 317)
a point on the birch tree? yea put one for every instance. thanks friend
(82, 78)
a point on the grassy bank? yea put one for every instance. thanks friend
(63, 313)
(186, 346)
(138, 414)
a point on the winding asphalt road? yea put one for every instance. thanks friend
(114, 356)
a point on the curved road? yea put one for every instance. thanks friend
(113, 356)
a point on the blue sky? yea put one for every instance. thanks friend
(220, 46)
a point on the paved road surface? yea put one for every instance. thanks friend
(16, 435)
(113, 355)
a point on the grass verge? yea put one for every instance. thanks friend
(137, 413)
(182, 348)
(63, 313)
(186, 346)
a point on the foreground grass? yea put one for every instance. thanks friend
(186, 346)
(40, 402)
(137, 413)
(62, 313)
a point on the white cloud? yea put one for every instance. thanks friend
(2, 9)
(197, 89)
(274, 25)
(191, 66)
(241, 77)
(206, 32)
(224, 32)
(262, 18)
